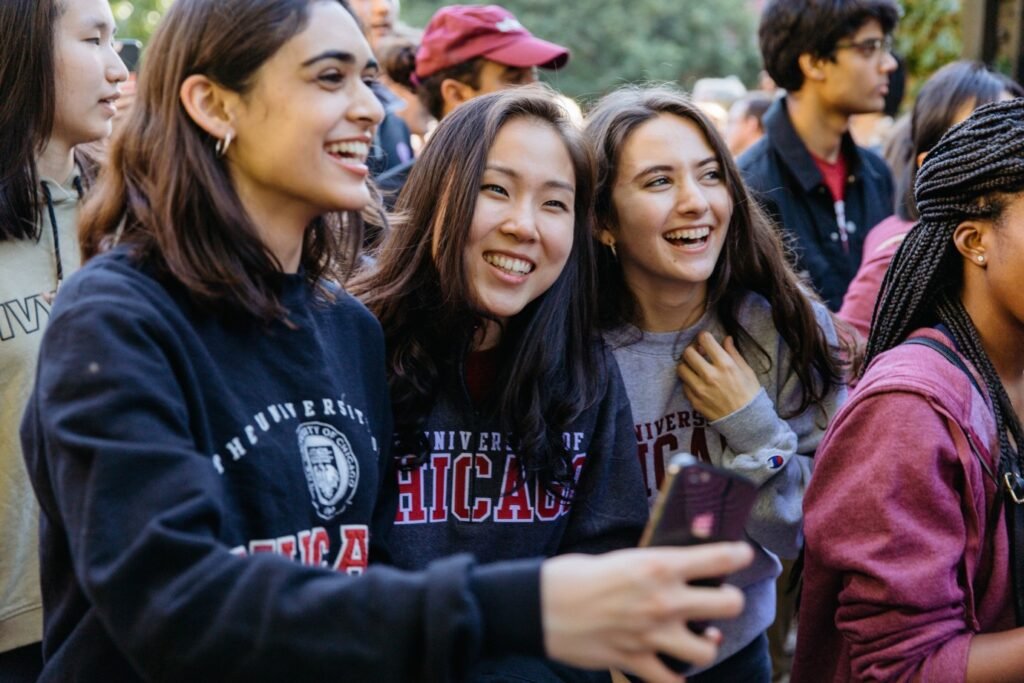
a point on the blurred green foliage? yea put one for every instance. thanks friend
(138, 18)
(928, 37)
(661, 40)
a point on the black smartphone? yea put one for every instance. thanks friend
(698, 503)
(129, 50)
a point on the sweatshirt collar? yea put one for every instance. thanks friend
(658, 343)
(58, 193)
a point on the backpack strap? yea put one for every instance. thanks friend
(1011, 485)
(953, 358)
(950, 355)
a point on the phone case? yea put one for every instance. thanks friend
(699, 503)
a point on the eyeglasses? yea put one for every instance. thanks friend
(869, 48)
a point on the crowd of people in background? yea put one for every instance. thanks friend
(342, 348)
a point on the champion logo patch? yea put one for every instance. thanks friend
(775, 462)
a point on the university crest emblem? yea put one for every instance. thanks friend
(332, 471)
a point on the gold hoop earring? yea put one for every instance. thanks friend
(221, 148)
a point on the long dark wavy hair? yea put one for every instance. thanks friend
(753, 258)
(164, 190)
(549, 370)
(27, 75)
(966, 176)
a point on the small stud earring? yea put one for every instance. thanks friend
(981, 258)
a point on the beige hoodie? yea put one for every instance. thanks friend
(28, 275)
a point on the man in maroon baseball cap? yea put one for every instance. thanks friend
(467, 51)
(470, 50)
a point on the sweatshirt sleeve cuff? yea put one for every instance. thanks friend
(509, 596)
(752, 427)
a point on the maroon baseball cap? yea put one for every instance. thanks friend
(459, 33)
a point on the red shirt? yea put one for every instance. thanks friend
(834, 175)
(481, 372)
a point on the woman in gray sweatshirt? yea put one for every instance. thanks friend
(724, 353)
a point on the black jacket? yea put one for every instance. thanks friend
(787, 183)
(391, 182)
(391, 144)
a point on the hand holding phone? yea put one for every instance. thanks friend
(698, 503)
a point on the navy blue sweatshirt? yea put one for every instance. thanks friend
(206, 486)
(468, 495)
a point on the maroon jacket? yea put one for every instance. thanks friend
(899, 572)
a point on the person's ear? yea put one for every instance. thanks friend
(920, 158)
(209, 105)
(607, 238)
(972, 239)
(454, 93)
(813, 68)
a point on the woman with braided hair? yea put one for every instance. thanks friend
(911, 520)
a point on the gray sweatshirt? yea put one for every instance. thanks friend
(753, 441)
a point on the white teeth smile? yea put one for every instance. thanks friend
(688, 235)
(510, 264)
(352, 150)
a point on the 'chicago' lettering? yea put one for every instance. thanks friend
(312, 547)
(452, 493)
(654, 452)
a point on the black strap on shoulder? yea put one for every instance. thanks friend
(1011, 485)
(955, 360)
(950, 355)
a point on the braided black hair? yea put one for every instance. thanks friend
(962, 179)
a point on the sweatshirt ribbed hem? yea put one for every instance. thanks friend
(22, 629)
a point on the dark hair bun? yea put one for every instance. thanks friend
(398, 60)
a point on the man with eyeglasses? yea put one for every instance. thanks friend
(833, 59)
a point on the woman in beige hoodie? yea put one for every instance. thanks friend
(59, 75)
